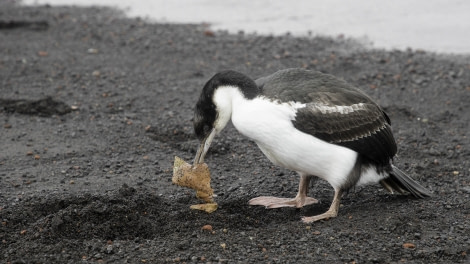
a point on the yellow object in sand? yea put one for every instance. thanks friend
(196, 177)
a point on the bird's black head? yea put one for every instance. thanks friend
(205, 115)
(205, 112)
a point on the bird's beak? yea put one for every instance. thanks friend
(204, 147)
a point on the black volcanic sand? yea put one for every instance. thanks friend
(95, 106)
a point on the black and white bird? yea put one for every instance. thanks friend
(308, 122)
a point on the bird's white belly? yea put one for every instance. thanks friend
(270, 126)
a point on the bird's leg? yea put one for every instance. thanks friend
(332, 212)
(299, 201)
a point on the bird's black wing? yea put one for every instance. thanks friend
(334, 111)
(363, 130)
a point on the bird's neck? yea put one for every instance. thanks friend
(225, 99)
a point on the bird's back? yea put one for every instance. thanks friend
(335, 111)
(307, 86)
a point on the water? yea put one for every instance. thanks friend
(433, 25)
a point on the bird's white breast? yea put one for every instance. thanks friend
(270, 125)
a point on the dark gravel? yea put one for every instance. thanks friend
(95, 106)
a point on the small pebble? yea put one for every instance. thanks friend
(207, 228)
(109, 249)
(92, 51)
(409, 245)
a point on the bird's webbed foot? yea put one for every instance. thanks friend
(271, 202)
(332, 212)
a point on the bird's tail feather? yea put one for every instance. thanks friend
(400, 182)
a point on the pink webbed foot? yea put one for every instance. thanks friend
(274, 202)
(332, 212)
(325, 216)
